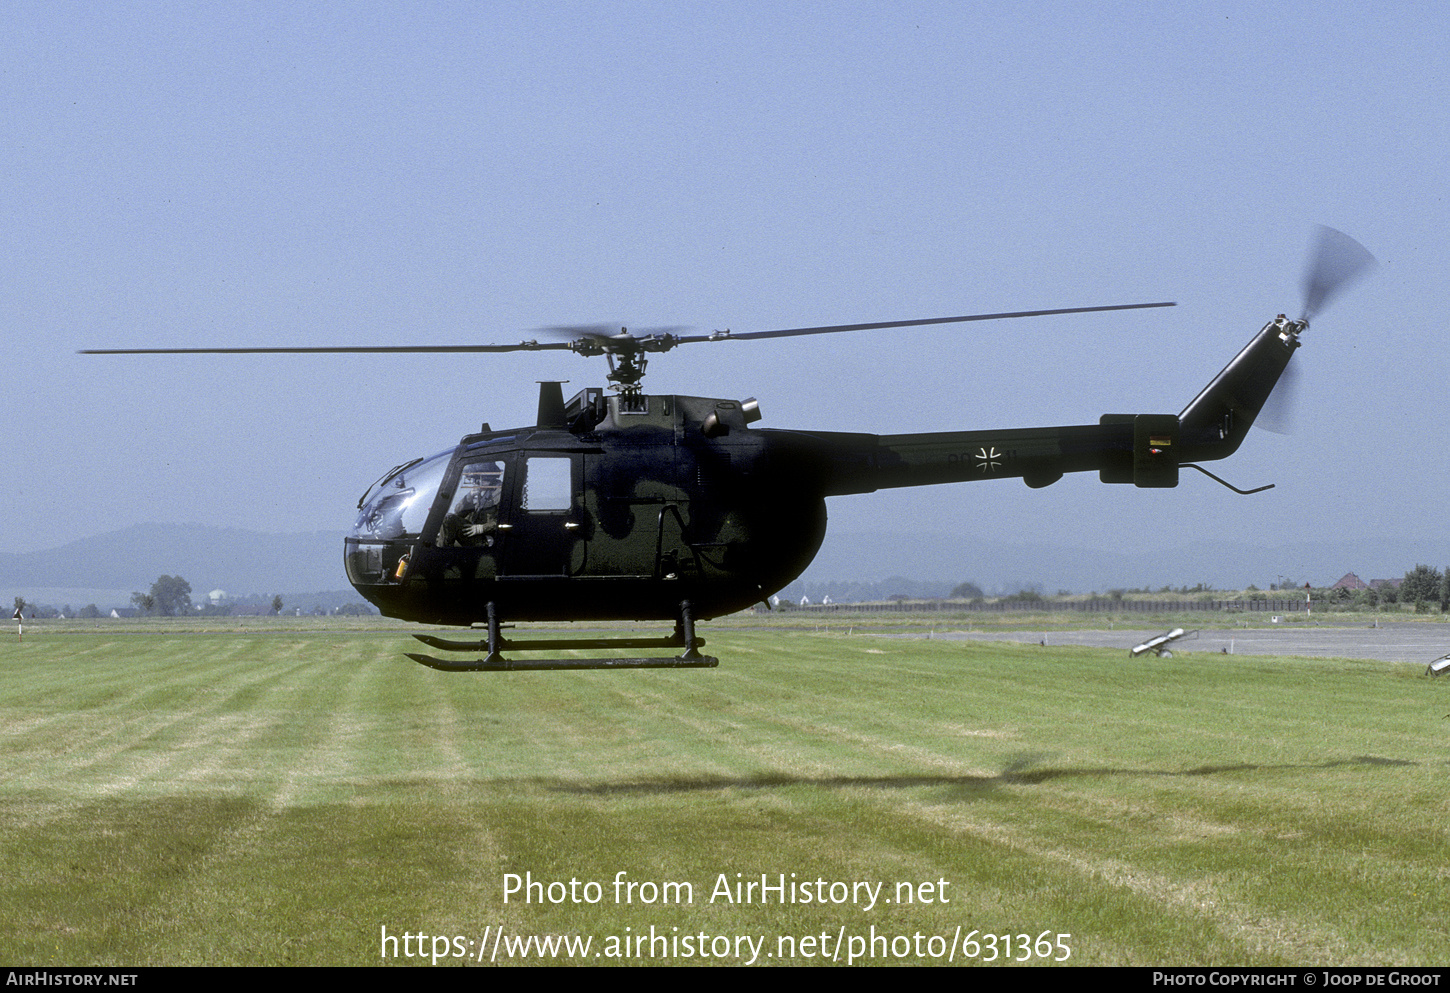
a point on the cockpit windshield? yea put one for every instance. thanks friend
(398, 506)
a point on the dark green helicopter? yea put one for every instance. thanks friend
(631, 506)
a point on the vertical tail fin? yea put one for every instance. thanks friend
(1215, 423)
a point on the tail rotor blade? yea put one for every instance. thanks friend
(1281, 408)
(1335, 261)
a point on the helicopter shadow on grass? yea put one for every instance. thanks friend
(1021, 770)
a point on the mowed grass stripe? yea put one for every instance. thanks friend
(254, 797)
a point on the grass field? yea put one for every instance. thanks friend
(280, 796)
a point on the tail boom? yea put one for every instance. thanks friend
(1143, 449)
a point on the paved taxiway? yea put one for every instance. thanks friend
(1413, 643)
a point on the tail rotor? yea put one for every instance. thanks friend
(1335, 261)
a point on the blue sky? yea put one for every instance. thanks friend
(269, 174)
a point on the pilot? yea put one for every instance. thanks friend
(473, 519)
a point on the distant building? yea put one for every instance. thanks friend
(1353, 582)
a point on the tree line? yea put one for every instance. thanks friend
(1424, 587)
(170, 596)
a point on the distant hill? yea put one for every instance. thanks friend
(208, 558)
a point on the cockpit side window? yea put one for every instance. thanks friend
(548, 484)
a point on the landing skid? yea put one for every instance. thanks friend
(496, 645)
(498, 664)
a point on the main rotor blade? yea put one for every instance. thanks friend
(529, 346)
(883, 325)
(1335, 261)
(600, 333)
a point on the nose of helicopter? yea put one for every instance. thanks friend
(390, 518)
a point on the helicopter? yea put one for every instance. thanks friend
(618, 505)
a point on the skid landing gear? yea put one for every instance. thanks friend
(683, 638)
